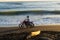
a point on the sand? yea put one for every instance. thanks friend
(4, 30)
(19, 34)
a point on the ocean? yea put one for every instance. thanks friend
(38, 19)
(37, 5)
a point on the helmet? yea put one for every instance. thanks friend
(27, 16)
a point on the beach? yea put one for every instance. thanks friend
(6, 32)
(42, 28)
(44, 15)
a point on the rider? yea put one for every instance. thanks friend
(27, 21)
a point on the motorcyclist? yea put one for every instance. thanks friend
(27, 21)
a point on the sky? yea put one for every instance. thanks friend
(26, 0)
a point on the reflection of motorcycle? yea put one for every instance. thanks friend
(26, 25)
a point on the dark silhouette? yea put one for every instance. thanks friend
(26, 23)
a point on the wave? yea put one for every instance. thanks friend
(37, 19)
(30, 5)
(33, 12)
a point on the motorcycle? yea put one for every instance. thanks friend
(26, 25)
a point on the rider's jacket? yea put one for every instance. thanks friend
(26, 21)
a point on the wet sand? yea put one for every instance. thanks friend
(15, 33)
(4, 30)
(41, 27)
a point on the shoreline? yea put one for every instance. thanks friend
(11, 25)
(41, 27)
